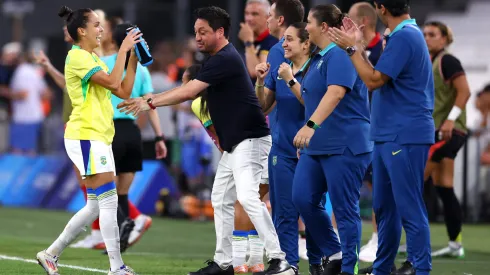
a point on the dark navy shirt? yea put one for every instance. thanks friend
(402, 108)
(232, 102)
(348, 125)
(374, 49)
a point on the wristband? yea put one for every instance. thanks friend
(149, 101)
(454, 114)
(259, 86)
(160, 138)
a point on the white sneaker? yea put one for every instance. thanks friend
(141, 224)
(48, 262)
(92, 241)
(454, 250)
(368, 251)
(126, 270)
(302, 251)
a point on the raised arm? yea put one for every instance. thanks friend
(265, 96)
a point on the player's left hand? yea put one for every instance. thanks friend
(348, 35)
(285, 72)
(303, 137)
(246, 34)
(160, 149)
(133, 106)
(446, 130)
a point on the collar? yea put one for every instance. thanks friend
(262, 36)
(375, 40)
(402, 25)
(75, 47)
(327, 49)
(302, 68)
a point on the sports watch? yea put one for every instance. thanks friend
(248, 44)
(149, 101)
(291, 82)
(311, 124)
(351, 50)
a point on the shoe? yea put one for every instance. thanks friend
(368, 270)
(141, 224)
(48, 262)
(126, 228)
(92, 241)
(277, 267)
(332, 267)
(402, 249)
(405, 269)
(213, 269)
(302, 251)
(256, 268)
(125, 270)
(241, 269)
(453, 250)
(316, 269)
(295, 269)
(368, 251)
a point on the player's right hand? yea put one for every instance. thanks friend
(131, 39)
(262, 70)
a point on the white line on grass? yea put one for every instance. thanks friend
(5, 257)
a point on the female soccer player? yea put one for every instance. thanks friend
(90, 131)
(335, 144)
(290, 118)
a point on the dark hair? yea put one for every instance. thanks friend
(395, 7)
(292, 10)
(74, 20)
(329, 14)
(193, 71)
(114, 21)
(216, 17)
(444, 29)
(119, 33)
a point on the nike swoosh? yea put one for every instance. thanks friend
(396, 153)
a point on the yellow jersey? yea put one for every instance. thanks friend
(196, 109)
(91, 118)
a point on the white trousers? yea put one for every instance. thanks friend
(238, 178)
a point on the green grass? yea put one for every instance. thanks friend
(177, 247)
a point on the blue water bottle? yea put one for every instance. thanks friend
(142, 51)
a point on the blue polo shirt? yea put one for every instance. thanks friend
(348, 125)
(142, 85)
(290, 114)
(402, 108)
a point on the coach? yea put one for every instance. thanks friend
(403, 129)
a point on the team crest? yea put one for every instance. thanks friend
(274, 160)
(103, 160)
(319, 64)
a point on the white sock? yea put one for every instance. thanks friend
(76, 225)
(336, 256)
(256, 248)
(240, 245)
(374, 237)
(336, 233)
(107, 197)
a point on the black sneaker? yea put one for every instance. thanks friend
(277, 267)
(405, 269)
(316, 269)
(295, 269)
(370, 269)
(124, 231)
(332, 267)
(213, 269)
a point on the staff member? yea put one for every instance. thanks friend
(403, 129)
(452, 92)
(335, 143)
(243, 135)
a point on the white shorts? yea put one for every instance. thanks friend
(90, 156)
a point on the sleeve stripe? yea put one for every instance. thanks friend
(208, 123)
(91, 73)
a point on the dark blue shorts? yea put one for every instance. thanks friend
(24, 136)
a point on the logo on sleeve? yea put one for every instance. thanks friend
(396, 153)
(319, 64)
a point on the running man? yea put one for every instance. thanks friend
(243, 135)
(402, 128)
(89, 133)
(452, 92)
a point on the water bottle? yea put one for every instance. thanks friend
(142, 51)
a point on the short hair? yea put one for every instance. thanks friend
(365, 9)
(329, 13)
(74, 20)
(265, 3)
(216, 17)
(444, 29)
(395, 7)
(292, 10)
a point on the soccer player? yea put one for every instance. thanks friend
(283, 158)
(90, 131)
(127, 144)
(403, 129)
(451, 95)
(243, 135)
(336, 150)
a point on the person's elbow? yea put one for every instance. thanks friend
(373, 84)
(376, 80)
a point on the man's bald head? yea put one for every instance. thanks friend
(364, 13)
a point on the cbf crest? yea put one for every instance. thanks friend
(274, 160)
(103, 160)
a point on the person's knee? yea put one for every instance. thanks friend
(301, 202)
(249, 201)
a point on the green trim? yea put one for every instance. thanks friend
(74, 47)
(402, 25)
(327, 49)
(356, 267)
(84, 89)
(208, 123)
(302, 68)
(107, 194)
(91, 73)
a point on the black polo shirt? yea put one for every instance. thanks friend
(233, 105)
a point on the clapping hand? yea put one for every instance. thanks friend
(348, 35)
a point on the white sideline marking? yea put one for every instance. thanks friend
(5, 257)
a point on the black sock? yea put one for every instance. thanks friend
(302, 234)
(452, 212)
(124, 204)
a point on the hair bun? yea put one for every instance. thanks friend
(65, 12)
